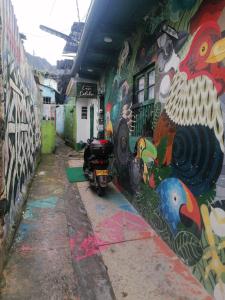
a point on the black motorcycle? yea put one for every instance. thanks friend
(96, 165)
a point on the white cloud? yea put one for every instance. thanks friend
(56, 14)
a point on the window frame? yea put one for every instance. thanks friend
(144, 73)
(143, 111)
(46, 100)
(152, 85)
(139, 90)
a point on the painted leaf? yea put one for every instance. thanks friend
(162, 228)
(154, 199)
(161, 173)
(188, 247)
(150, 198)
(208, 197)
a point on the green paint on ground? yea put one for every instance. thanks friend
(28, 214)
(43, 203)
(75, 174)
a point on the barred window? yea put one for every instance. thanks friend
(144, 85)
(47, 100)
(143, 102)
(151, 84)
(84, 112)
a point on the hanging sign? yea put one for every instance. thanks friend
(86, 90)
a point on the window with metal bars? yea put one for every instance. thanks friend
(84, 112)
(143, 102)
(46, 100)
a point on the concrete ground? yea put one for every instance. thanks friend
(72, 244)
(41, 264)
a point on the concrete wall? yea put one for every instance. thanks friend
(178, 175)
(49, 111)
(60, 119)
(48, 136)
(19, 125)
(70, 124)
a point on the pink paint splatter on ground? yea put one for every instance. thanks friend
(121, 227)
(89, 246)
(124, 226)
(25, 249)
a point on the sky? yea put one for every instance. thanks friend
(56, 14)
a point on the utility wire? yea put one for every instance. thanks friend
(53, 5)
(85, 15)
(78, 13)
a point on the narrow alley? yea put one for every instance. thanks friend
(40, 265)
(112, 150)
(72, 244)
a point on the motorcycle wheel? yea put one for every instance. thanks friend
(100, 191)
(85, 170)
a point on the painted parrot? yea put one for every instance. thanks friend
(177, 204)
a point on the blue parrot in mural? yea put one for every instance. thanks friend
(177, 204)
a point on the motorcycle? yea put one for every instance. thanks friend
(96, 165)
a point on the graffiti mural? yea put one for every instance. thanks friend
(176, 177)
(1, 153)
(19, 118)
(21, 141)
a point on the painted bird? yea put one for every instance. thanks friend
(168, 62)
(193, 108)
(146, 152)
(177, 204)
(109, 126)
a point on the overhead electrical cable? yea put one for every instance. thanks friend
(78, 13)
(52, 8)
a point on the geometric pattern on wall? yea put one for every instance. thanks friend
(22, 140)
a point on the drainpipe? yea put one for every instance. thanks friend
(94, 16)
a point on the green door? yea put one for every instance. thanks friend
(91, 121)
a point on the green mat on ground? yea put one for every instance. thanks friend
(75, 174)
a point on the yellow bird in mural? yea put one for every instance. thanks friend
(147, 152)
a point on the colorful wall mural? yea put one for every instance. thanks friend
(19, 120)
(178, 174)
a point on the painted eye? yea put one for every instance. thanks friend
(203, 49)
(175, 198)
